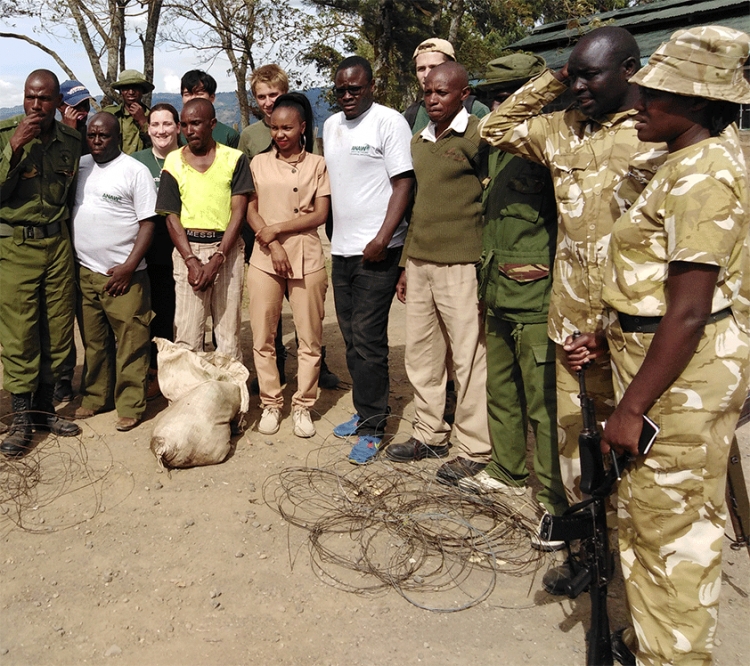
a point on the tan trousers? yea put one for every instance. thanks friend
(307, 299)
(222, 300)
(442, 313)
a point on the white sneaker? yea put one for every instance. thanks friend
(542, 544)
(303, 425)
(269, 421)
(482, 483)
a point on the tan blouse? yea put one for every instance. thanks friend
(286, 191)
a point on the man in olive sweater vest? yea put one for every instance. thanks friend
(443, 245)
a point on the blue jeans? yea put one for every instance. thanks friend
(363, 293)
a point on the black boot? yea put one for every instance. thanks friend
(18, 441)
(327, 379)
(45, 417)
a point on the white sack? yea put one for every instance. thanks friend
(181, 370)
(194, 430)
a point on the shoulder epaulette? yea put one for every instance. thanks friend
(11, 123)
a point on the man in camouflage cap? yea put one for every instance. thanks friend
(588, 150)
(132, 114)
(515, 283)
(38, 162)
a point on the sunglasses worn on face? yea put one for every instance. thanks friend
(354, 91)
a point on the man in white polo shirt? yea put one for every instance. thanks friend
(112, 229)
(369, 164)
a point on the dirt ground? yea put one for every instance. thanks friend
(118, 562)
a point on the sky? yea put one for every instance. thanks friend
(169, 64)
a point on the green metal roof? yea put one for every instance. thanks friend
(651, 24)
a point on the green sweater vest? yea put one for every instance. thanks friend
(446, 221)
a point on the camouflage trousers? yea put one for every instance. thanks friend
(569, 419)
(671, 509)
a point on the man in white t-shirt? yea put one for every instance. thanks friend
(112, 229)
(369, 164)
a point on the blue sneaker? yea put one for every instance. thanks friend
(365, 450)
(344, 430)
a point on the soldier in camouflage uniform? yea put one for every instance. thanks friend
(515, 283)
(587, 149)
(38, 161)
(683, 360)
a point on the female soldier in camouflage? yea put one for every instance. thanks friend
(678, 289)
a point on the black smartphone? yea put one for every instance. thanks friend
(648, 435)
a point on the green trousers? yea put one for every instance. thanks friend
(521, 390)
(37, 307)
(116, 340)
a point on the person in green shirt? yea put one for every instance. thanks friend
(428, 55)
(266, 83)
(197, 83)
(132, 113)
(38, 162)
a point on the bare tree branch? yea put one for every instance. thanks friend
(39, 45)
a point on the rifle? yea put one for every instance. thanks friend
(737, 500)
(587, 522)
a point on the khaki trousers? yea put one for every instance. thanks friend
(222, 300)
(442, 313)
(307, 299)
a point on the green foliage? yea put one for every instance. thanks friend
(387, 32)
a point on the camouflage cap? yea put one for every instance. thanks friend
(435, 45)
(511, 69)
(132, 77)
(704, 62)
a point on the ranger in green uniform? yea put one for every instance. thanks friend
(516, 280)
(38, 161)
(132, 113)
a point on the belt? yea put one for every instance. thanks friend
(34, 231)
(204, 236)
(633, 324)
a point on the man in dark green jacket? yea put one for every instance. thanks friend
(518, 249)
(38, 162)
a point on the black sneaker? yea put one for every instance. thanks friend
(413, 449)
(453, 471)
